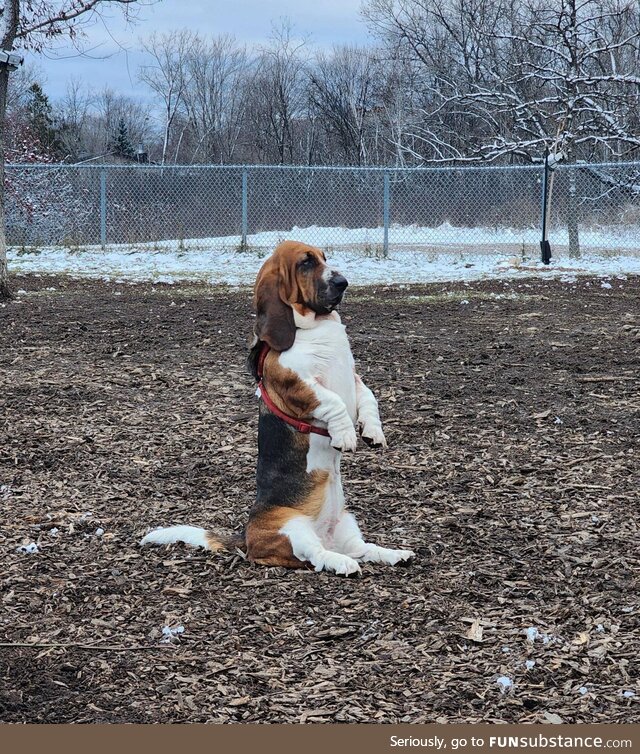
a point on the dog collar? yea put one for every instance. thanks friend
(297, 424)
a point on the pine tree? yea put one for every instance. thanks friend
(122, 145)
(39, 118)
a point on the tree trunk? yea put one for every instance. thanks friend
(5, 293)
(10, 18)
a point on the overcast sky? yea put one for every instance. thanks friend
(113, 56)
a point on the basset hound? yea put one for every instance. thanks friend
(312, 400)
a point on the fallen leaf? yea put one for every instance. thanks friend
(475, 631)
(239, 701)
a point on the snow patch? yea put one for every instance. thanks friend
(171, 634)
(418, 255)
(29, 549)
(533, 634)
(505, 683)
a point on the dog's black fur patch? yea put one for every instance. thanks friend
(282, 478)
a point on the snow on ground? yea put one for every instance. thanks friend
(418, 255)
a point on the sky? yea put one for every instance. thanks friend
(112, 47)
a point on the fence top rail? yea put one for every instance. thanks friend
(313, 168)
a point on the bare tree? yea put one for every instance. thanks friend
(396, 113)
(11, 22)
(215, 99)
(34, 25)
(19, 84)
(342, 88)
(113, 109)
(278, 95)
(87, 123)
(167, 75)
(503, 79)
(446, 46)
(74, 115)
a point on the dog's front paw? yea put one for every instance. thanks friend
(340, 564)
(344, 439)
(373, 435)
(375, 554)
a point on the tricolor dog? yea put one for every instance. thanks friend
(312, 400)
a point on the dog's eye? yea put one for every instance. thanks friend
(307, 263)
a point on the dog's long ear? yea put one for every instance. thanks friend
(274, 323)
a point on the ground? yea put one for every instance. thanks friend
(511, 410)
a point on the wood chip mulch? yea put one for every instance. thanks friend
(512, 414)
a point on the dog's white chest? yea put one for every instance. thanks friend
(323, 352)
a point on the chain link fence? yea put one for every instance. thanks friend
(594, 208)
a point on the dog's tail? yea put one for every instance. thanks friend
(196, 537)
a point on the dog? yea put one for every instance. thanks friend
(312, 399)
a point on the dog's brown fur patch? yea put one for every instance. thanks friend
(287, 390)
(265, 544)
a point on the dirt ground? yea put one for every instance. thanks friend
(512, 414)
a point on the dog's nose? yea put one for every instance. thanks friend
(340, 282)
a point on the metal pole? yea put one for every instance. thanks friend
(244, 210)
(545, 247)
(103, 208)
(385, 215)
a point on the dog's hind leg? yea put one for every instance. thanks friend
(267, 546)
(349, 540)
(307, 545)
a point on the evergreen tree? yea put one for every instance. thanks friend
(122, 145)
(39, 118)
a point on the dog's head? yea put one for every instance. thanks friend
(296, 277)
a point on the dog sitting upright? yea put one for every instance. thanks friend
(312, 399)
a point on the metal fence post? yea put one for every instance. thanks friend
(545, 247)
(103, 208)
(244, 210)
(385, 216)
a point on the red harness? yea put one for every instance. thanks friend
(297, 424)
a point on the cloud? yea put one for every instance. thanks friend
(112, 44)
